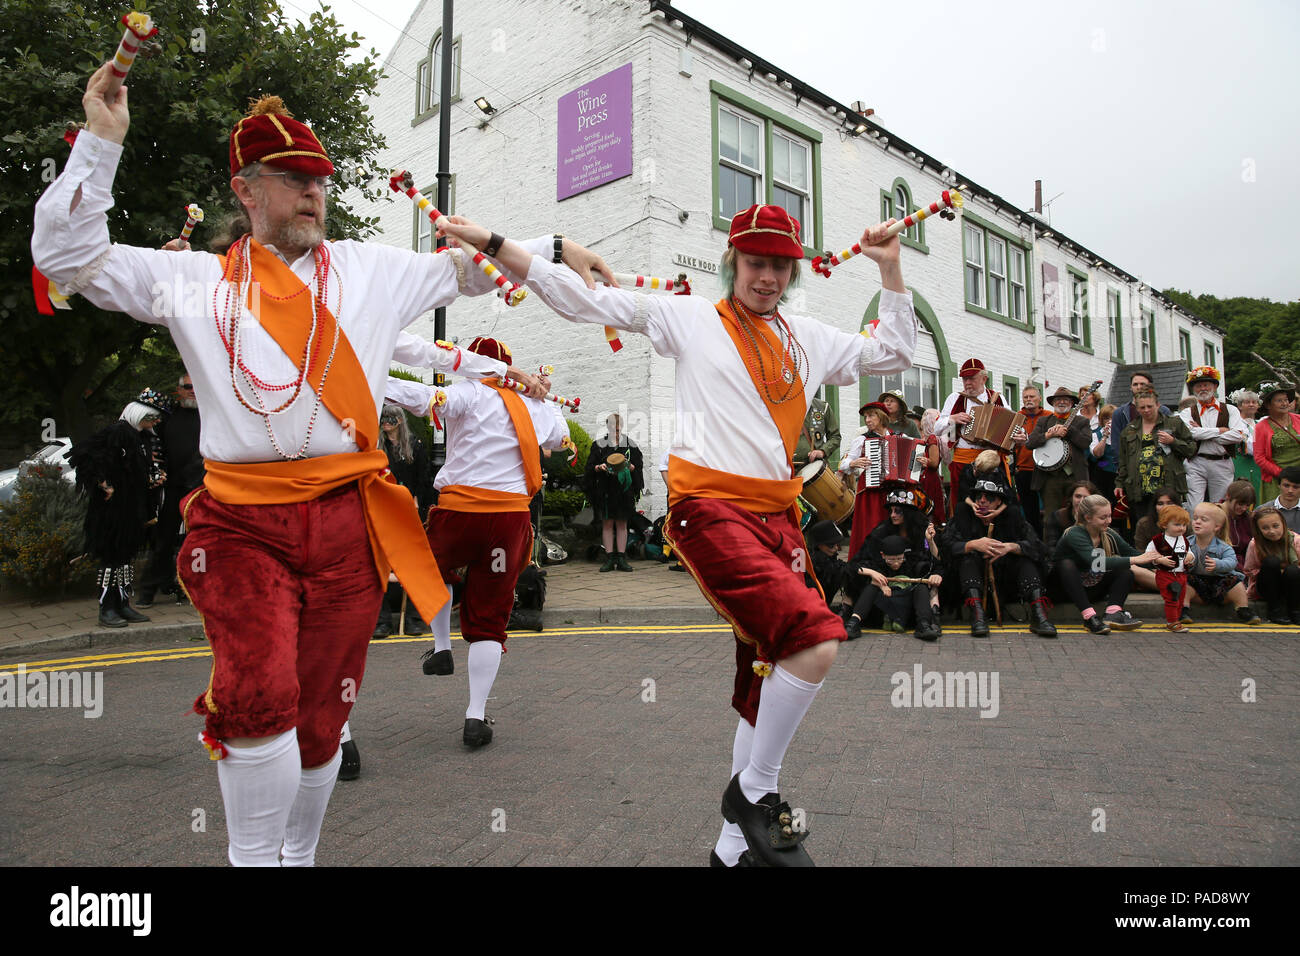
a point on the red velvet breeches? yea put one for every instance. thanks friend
(288, 595)
(756, 571)
(494, 547)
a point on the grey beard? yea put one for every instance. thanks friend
(298, 235)
(189, 403)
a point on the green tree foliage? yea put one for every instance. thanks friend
(1251, 325)
(186, 93)
(42, 532)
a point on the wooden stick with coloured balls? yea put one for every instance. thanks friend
(193, 216)
(512, 293)
(947, 202)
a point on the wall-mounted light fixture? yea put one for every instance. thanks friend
(483, 104)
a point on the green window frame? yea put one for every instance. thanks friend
(1148, 335)
(1080, 320)
(1115, 324)
(1011, 391)
(427, 76)
(422, 238)
(770, 164)
(1185, 347)
(1210, 353)
(896, 203)
(987, 264)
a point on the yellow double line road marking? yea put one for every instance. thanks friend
(182, 653)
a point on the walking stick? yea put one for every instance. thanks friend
(401, 623)
(991, 585)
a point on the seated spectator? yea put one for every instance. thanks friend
(1214, 577)
(1238, 504)
(825, 539)
(1093, 560)
(988, 534)
(1063, 517)
(1273, 566)
(899, 601)
(1287, 502)
(987, 464)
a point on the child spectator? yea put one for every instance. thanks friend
(1175, 558)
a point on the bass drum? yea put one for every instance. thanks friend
(822, 488)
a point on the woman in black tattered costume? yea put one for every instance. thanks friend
(613, 487)
(114, 468)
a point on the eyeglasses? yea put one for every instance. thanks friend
(186, 388)
(300, 181)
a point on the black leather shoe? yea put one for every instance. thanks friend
(715, 860)
(384, 628)
(350, 768)
(853, 628)
(478, 733)
(414, 626)
(979, 627)
(767, 826)
(144, 598)
(1097, 625)
(1039, 623)
(1246, 616)
(439, 662)
(927, 631)
(1277, 614)
(1122, 621)
(108, 617)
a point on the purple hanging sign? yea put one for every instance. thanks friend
(594, 134)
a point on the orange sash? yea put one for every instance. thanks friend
(469, 498)
(397, 538)
(762, 495)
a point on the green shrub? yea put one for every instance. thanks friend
(565, 502)
(42, 534)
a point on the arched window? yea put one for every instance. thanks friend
(428, 72)
(896, 202)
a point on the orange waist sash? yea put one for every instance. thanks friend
(760, 495)
(470, 498)
(397, 538)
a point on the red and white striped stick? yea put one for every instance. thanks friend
(570, 403)
(512, 293)
(950, 199)
(678, 286)
(629, 280)
(194, 216)
(139, 27)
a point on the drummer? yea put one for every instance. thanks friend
(819, 440)
(869, 507)
(956, 414)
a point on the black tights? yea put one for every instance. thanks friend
(1277, 584)
(1116, 585)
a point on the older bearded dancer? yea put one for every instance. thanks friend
(746, 372)
(297, 523)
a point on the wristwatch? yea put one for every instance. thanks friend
(559, 248)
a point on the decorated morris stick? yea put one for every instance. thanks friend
(401, 182)
(948, 201)
(626, 280)
(678, 286)
(194, 216)
(570, 403)
(139, 27)
(547, 370)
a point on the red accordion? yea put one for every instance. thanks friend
(893, 458)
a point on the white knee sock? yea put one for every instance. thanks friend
(258, 787)
(441, 626)
(784, 701)
(484, 659)
(346, 735)
(731, 842)
(303, 830)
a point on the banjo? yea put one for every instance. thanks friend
(1055, 453)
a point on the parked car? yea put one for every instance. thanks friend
(52, 453)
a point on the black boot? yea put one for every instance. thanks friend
(853, 629)
(124, 608)
(384, 626)
(414, 627)
(1038, 622)
(979, 627)
(108, 616)
(1277, 613)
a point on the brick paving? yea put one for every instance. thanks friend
(1148, 727)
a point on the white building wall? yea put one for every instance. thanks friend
(505, 178)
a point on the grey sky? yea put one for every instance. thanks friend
(1172, 129)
